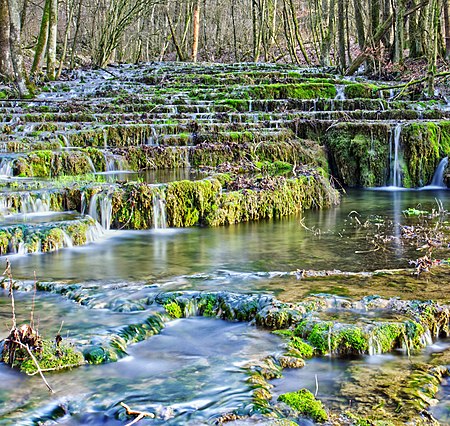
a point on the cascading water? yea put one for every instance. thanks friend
(100, 209)
(438, 177)
(40, 203)
(159, 210)
(6, 167)
(340, 93)
(114, 163)
(395, 157)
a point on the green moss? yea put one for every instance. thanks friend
(359, 154)
(302, 348)
(388, 335)
(52, 357)
(294, 91)
(320, 337)
(361, 90)
(173, 309)
(99, 355)
(306, 404)
(351, 340)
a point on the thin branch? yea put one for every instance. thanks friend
(35, 362)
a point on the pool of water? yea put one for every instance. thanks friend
(331, 241)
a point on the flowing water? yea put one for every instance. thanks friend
(193, 369)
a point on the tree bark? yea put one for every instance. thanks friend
(341, 35)
(359, 22)
(52, 33)
(325, 49)
(75, 37)
(6, 67)
(196, 30)
(447, 29)
(16, 49)
(66, 38)
(42, 40)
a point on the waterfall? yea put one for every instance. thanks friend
(395, 157)
(6, 167)
(101, 202)
(114, 163)
(340, 92)
(40, 204)
(159, 210)
(438, 177)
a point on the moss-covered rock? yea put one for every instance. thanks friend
(304, 402)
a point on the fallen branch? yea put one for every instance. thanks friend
(35, 362)
(140, 414)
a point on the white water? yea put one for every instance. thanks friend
(340, 92)
(438, 178)
(114, 163)
(394, 158)
(101, 203)
(159, 210)
(6, 167)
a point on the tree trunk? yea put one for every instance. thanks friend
(52, 33)
(433, 45)
(325, 49)
(6, 67)
(399, 32)
(75, 37)
(447, 29)
(415, 49)
(196, 30)
(42, 40)
(16, 49)
(341, 35)
(23, 15)
(66, 38)
(359, 22)
(386, 39)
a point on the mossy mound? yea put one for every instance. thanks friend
(48, 355)
(306, 404)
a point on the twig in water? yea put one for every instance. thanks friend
(140, 414)
(35, 363)
(317, 386)
(33, 302)
(11, 293)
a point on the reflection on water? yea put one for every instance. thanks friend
(152, 176)
(276, 245)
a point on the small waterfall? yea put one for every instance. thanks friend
(100, 209)
(94, 232)
(395, 157)
(154, 138)
(114, 163)
(91, 164)
(340, 92)
(40, 204)
(438, 177)
(6, 167)
(105, 138)
(159, 210)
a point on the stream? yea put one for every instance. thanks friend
(194, 368)
(119, 187)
